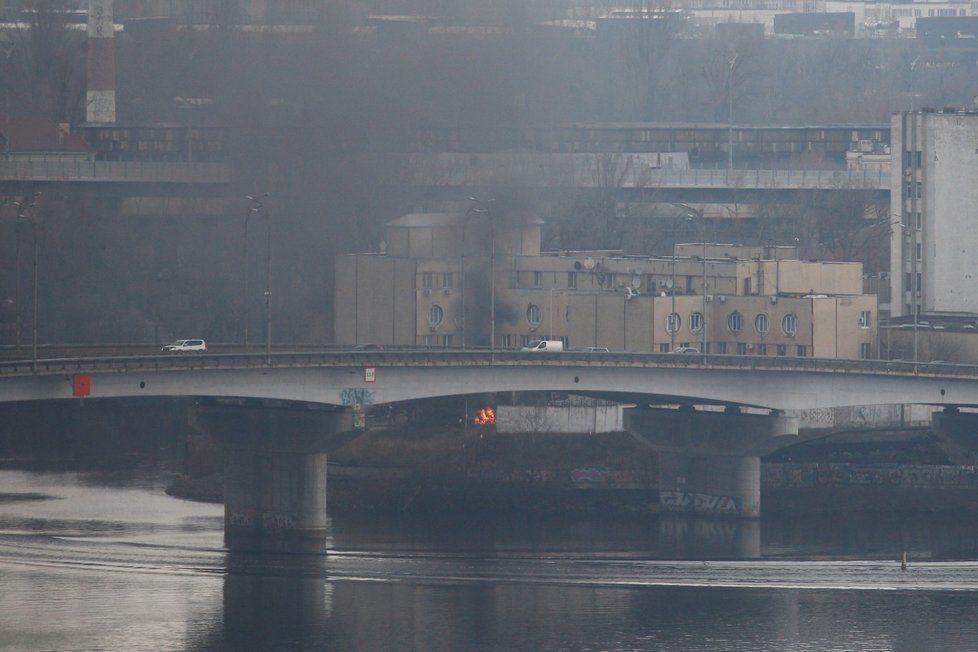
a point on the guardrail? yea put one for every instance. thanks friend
(80, 170)
(470, 357)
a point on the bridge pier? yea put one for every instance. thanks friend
(274, 472)
(958, 434)
(710, 462)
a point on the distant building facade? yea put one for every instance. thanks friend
(934, 243)
(468, 279)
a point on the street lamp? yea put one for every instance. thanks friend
(255, 206)
(25, 212)
(733, 62)
(691, 215)
(909, 236)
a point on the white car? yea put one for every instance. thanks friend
(185, 345)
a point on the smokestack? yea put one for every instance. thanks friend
(100, 100)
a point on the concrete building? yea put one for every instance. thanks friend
(468, 279)
(934, 242)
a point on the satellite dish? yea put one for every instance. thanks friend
(588, 263)
(636, 282)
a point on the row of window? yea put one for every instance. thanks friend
(674, 322)
(428, 280)
(741, 348)
(735, 323)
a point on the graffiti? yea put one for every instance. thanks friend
(587, 477)
(681, 501)
(356, 396)
(879, 475)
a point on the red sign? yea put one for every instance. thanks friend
(81, 385)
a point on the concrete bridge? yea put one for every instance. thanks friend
(278, 415)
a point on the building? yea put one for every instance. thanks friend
(468, 279)
(934, 242)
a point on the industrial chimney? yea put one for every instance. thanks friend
(100, 100)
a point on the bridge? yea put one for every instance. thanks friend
(278, 414)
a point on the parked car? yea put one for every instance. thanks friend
(185, 345)
(686, 349)
(368, 347)
(595, 349)
(548, 346)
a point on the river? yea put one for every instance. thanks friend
(97, 557)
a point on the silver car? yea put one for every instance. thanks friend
(185, 345)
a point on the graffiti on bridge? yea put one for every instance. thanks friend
(700, 503)
(356, 396)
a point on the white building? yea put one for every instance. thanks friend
(934, 202)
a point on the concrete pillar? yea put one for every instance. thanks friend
(709, 461)
(957, 433)
(275, 472)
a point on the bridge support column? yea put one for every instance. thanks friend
(709, 462)
(958, 433)
(275, 472)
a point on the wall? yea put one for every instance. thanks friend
(574, 419)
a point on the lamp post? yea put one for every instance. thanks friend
(25, 212)
(691, 214)
(255, 206)
(268, 287)
(910, 236)
(733, 62)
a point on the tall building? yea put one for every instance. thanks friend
(475, 278)
(934, 206)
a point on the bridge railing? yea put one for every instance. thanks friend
(471, 357)
(77, 169)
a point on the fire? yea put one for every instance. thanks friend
(485, 417)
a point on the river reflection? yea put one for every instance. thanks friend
(88, 562)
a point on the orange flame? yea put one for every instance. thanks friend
(485, 417)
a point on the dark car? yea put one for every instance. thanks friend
(368, 347)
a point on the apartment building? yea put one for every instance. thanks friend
(471, 279)
(934, 242)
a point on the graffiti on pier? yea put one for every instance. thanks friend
(682, 501)
(587, 477)
(356, 396)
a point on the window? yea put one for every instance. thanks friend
(919, 283)
(865, 350)
(507, 341)
(446, 280)
(789, 324)
(802, 351)
(782, 349)
(865, 319)
(435, 315)
(664, 348)
(907, 282)
(761, 324)
(446, 340)
(572, 280)
(524, 340)
(533, 314)
(918, 250)
(428, 280)
(428, 340)
(735, 322)
(741, 348)
(721, 348)
(696, 322)
(761, 349)
(537, 279)
(673, 322)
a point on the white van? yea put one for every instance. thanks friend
(550, 346)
